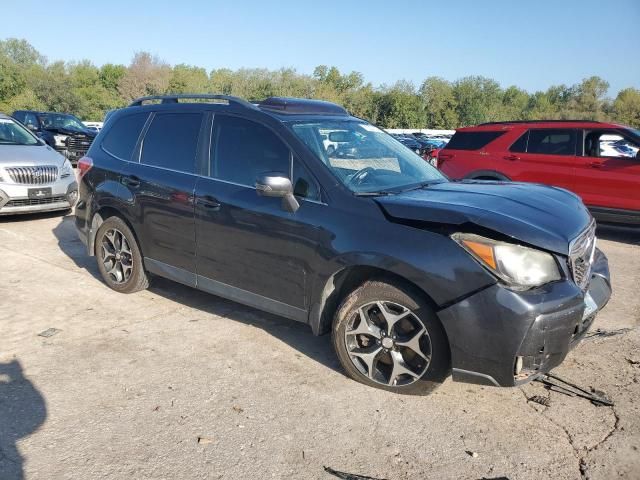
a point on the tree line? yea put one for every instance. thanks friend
(29, 81)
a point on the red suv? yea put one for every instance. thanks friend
(598, 161)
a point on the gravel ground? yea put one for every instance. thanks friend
(173, 383)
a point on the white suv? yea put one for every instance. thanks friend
(33, 176)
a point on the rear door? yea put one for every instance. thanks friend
(162, 184)
(248, 247)
(608, 175)
(544, 155)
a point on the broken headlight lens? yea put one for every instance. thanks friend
(517, 266)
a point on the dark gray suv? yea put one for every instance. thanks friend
(415, 276)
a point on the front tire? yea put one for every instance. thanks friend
(119, 257)
(387, 336)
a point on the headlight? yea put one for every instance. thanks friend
(60, 140)
(517, 266)
(66, 169)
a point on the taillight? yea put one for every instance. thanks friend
(443, 157)
(84, 165)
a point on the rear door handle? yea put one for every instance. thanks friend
(596, 164)
(512, 157)
(208, 202)
(131, 181)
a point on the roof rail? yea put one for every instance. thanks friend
(193, 96)
(539, 121)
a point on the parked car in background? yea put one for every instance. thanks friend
(61, 131)
(409, 141)
(415, 276)
(574, 155)
(33, 176)
(95, 126)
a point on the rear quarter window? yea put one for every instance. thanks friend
(121, 139)
(472, 140)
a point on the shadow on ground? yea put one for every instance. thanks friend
(295, 334)
(22, 412)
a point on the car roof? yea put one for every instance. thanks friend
(525, 124)
(284, 109)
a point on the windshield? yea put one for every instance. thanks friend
(364, 158)
(54, 121)
(11, 133)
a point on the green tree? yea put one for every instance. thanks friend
(439, 102)
(626, 107)
(188, 79)
(110, 75)
(478, 99)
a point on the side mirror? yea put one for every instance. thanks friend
(32, 127)
(278, 185)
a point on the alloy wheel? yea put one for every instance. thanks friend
(388, 343)
(117, 258)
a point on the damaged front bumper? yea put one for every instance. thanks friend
(503, 337)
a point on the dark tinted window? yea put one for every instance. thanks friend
(304, 185)
(121, 139)
(520, 145)
(471, 140)
(552, 142)
(172, 141)
(242, 150)
(19, 116)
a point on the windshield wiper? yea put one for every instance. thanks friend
(373, 194)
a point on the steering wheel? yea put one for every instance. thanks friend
(359, 175)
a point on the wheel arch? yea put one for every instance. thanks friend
(97, 219)
(342, 282)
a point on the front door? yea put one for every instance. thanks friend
(248, 247)
(608, 175)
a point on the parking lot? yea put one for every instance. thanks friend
(175, 383)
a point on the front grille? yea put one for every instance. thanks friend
(37, 175)
(27, 202)
(581, 252)
(78, 145)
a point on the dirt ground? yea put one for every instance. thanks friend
(172, 383)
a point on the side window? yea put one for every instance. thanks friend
(241, 150)
(304, 185)
(472, 140)
(552, 142)
(30, 120)
(608, 144)
(172, 141)
(520, 145)
(122, 137)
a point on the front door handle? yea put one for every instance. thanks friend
(208, 202)
(512, 157)
(131, 181)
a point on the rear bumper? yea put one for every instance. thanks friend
(490, 329)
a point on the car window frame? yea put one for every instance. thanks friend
(202, 132)
(136, 146)
(604, 131)
(206, 171)
(576, 143)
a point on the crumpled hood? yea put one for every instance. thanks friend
(546, 217)
(70, 131)
(29, 155)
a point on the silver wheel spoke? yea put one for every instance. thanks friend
(400, 368)
(413, 343)
(365, 326)
(392, 318)
(369, 359)
(117, 257)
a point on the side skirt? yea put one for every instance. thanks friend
(226, 291)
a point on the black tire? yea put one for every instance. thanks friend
(391, 295)
(136, 279)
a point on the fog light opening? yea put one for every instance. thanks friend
(72, 197)
(517, 369)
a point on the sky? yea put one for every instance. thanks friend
(530, 44)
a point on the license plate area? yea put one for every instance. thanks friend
(38, 193)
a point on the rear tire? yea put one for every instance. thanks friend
(399, 345)
(119, 257)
